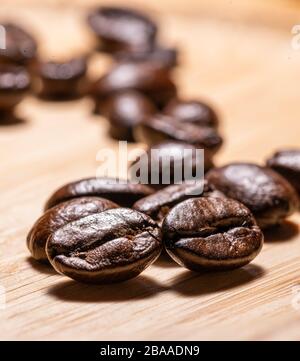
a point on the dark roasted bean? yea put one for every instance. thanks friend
(20, 47)
(58, 216)
(122, 29)
(192, 111)
(146, 77)
(124, 111)
(62, 80)
(211, 234)
(14, 85)
(287, 163)
(159, 127)
(266, 193)
(170, 162)
(114, 245)
(158, 205)
(124, 194)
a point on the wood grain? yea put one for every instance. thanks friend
(235, 54)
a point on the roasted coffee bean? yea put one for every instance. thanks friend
(58, 216)
(146, 77)
(124, 194)
(124, 111)
(158, 205)
(192, 111)
(122, 29)
(287, 163)
(164, 57)
(160, 127)
(14, 85)
(62, 80)
(20, 47)
(211, 234)
(169, 162)
(114, 245)
(266, 193)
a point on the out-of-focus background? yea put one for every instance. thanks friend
(243, 58)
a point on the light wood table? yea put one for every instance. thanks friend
(239, 56)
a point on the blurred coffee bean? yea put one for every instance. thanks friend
(62, 80)
(265, 192)
(170, 162)
(123, 193)
(158, 204)
(159, 127)
(124, 111)
(192, 111)
(122, 29)
(164, 57)
(21, 47)
(287, 163)
(14, 85)
(209, 233)
(60, 215)
(146, 77)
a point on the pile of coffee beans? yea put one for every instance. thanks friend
(138, 94)
(103, 230)
(94, 230)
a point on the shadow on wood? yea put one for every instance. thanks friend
(9, 120)
(194, 284)
(135, 289)
(283, 232)
(187, 283)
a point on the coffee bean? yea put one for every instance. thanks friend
(158, 205)
(122, 29)
(114, 245)
(211, 234)
(124, 111)
(146, 77)
(60, 215)
(287, 163)
(164, 57)
(62, 80)
(267, 194)
(169, 162)
(124, 194)
(20, 47)
(155, 129)
(192, 111)
(14, 85)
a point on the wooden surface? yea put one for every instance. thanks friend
(237, 55)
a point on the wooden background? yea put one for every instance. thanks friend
(237, 55)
